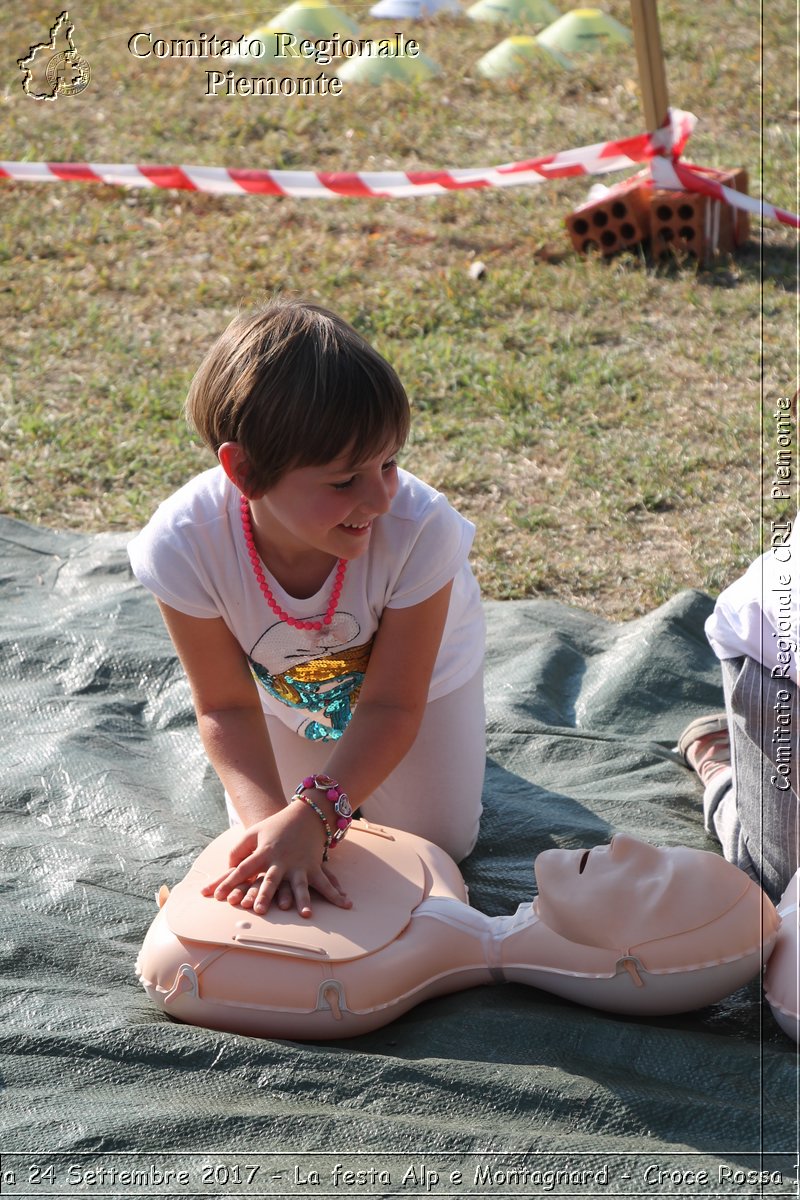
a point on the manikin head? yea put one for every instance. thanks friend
(670, 907)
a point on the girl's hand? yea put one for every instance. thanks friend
(279, 856)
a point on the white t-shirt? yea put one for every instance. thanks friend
(759, 615)
(192, 555)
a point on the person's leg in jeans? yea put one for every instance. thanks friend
(752, 806)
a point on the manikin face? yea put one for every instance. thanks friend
(629, 893)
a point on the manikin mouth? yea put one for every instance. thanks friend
(583, 862)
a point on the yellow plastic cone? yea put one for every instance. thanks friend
(516, 55)
(314, 19)
(389, 68)
(584, 30)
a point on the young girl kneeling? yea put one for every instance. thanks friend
(321, 603)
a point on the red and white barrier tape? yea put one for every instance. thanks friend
(587, 160)
(668, 173)
(661, 149)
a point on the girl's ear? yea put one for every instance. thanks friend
(236, 466)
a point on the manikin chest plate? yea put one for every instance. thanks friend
(385, 889)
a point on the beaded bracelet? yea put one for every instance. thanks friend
(328, 835)
(338, 798)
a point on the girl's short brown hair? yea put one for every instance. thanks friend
(296, 386)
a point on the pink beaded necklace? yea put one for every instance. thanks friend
(247, 529)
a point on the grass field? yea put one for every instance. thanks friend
(603, 423)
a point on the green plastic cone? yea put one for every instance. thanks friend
(515, 56)
(390, 68)
(313, 19)
(584, 30)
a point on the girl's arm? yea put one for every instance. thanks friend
(393, 698)
(386, 719)
(286, 842)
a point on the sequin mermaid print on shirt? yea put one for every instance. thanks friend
(318, 674)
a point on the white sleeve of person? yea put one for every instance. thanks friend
(187, 551)
(420, 545)
(759, 614)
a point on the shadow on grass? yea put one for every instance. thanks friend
(752, 263)
(747, 265)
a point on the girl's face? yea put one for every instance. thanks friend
(329, 508)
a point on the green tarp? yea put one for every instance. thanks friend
(496, 1091)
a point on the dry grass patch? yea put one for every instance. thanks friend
(600, 422)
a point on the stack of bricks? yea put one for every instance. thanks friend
(674, 222)
(691, 223)
(620, 218)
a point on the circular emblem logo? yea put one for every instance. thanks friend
(69, 73)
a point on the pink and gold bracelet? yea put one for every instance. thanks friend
(341, 807)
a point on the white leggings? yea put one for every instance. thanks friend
(434, 792)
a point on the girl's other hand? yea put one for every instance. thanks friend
(281, 857)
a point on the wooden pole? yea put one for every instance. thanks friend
(650, 57)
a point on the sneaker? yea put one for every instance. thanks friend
(706, 746)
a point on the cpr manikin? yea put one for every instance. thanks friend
(782, 978)
(626, 927)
